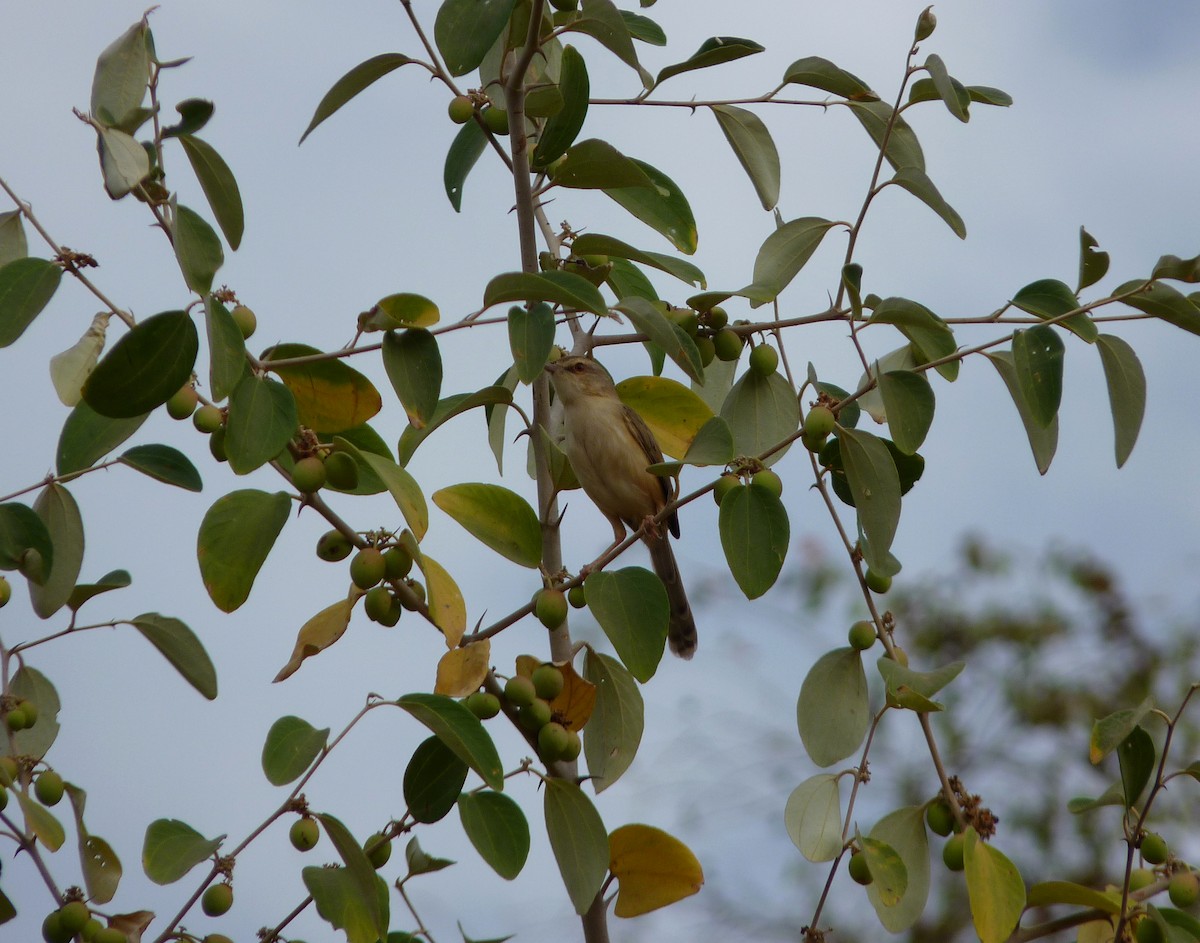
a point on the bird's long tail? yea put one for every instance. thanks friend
(682, 631)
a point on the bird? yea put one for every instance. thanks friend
(610, 447)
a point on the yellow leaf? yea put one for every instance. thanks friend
(654, 869)
(672, 411)
(446, 605)
(317, 634)
(462, 670)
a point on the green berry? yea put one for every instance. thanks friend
(552, 741)
(1184, 888)
(1154, 848)
(519, 691)
(565, 5)
(309, 475)
(417, 590)
(113, 935)
(216, 445)
(717, 317)
(460, 109)
(8, 771)
(378, 603)
(728, 344)
(367, 568)
(764, 360)
(341, 471)
(483, 704)
(217, 899)
(877, 582)
(207, 418)
(393, 614)
(496, 120)
(574, 747)
(577, 597)
(3, 798)
(724, 485)
(811, 442)
(334, 546)
(535, 716)
(937, 814)
(90, 929)
(953, 852)
(52, 929)
(397, 563)
(378, 849)
(304, 833)
(48, 787)
(551, 608)
(30, 710)
(244, 318)
(15, 719)
(859, 870)
(861, 638)
(819, 422)
(1141, 877)
(5, 591)
(182, 404)
(547, 681)
(707, 350)
(73, 915)
(769, 481)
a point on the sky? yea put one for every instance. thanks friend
(1100, 135)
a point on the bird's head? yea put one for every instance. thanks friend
(576, 378)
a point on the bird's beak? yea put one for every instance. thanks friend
(551, 368)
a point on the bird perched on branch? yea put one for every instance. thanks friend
(610, 448)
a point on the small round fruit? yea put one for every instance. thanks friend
(90, 929)
(418, 591)
(113, 935)
(460, 109)
(367, 568)
(687, 319)
(764, 360)
(30, 710)
(718, 317)
(877, 582)
(217, 899)
(937, 814)
(8, 771)
(15, 719)
(48, 787)
(309, 474)
(496, 120)
(899, 655)
(1184, 888)
(953, 851)
(769, 481)
(861, 638)
(1141, 877)
(1154, 848)
(707, 350)
(728, 344)
(341, 471)
(552, 741)
(565, 5)
(859, 869)
(216, 445)
(551, 608)
(819, 422)
(207, 418)
(182, 404)
(211, 938)
(52, 930)
(547, 681)
(724, 485)
(519, 691)
(377, 603)
(811, 442)
(3, 798)
(1148, 930)
(378, 849)
(483, 704)
(244, 318)
(73, 915)
(304, 833)
(535, 716)
(574, 747)
(334, 546)
(577, 597)
(397, 563)
(393, 614)
(5, 591)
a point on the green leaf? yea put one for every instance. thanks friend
(531, 338)
(421, 863)
(1164, 302)
(400, 310)
(1093, 264)
(226, 349)
(64, 525)
(904, 831)
(165, 464)
(447, 409)
(713, 444)
(673, 412)
(887, 869)
(714, 51)
(627, 280)
(432, 781)
(219, 186)
(365, 440)
(194, 114)
(145, 368)
(578, 839)
(117, 579)
(813, 817)
(365, 894)
(124, 163)
(291, 747)
(596, 244)
(31, 685)
(179, 645)
(603, 21)
(499, 518)
(236, 535)
(197, 249)
(22, 531)
(1172, 266)
(13, 244)
(339, 899)
(563, 128)
(101, 868)
(761, 411)
(1111, 731)
(1038, 361)
(498, 830)
(466, 29)
(360, 77)
(414, 365)
(920, 186)
(986, 95)
(875, 484)
(903, 150)
(914, 690)
(464, 152)
(1064, 892)
(650, 321)
(1113, 795)
(41, 822)
(87, 437)
(833, 712)
(122, 74)
(563, 288)
(597, 165)
(329, 395)
(932, 337)
(614, 731)
(262, 420)
(909, 401)
(995, 889)
(644, 29)
(662, 207)
(631, 606)
(816, 72)
(1126, 391)
(948, 90)
(460, 730)
(1137, 757)
(1049, 298)
(1043, 440)
(782, 255)
(172, 848)
(754, 149)
(26, 287)
(754, 535)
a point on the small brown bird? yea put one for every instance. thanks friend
(610, 448)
